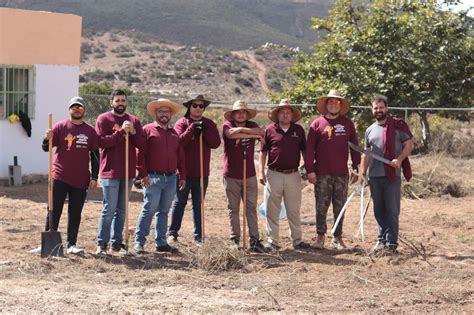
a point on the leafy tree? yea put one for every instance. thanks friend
(411, 51)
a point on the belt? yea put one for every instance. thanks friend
(288, 171)
(160, 173)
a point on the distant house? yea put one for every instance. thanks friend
(39, 73)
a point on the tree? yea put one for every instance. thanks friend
(411, 51)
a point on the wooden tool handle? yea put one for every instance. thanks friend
(126, 186)
(50, 165)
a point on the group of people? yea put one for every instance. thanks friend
(172, 162)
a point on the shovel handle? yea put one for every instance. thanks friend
(50, 166)
(126, 188)
(201, 184)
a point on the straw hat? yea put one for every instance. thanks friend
(240, 105)
(284, 103)
(321, 103)
(162, 102)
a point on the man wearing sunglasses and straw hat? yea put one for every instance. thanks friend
(239, 134)
(284, 141)
(326, 162)
(190, 128)
(157, 164)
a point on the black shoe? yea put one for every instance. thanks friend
(118, 247)
(391, 249)
(302, 245)
(166, 249)
(257, 247)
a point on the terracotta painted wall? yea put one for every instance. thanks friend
(38, 37)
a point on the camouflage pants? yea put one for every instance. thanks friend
(330, 188)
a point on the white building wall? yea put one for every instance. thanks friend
(55, 85)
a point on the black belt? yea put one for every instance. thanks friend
(160, 173)
(288, 171)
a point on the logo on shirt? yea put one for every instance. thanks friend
(339, 130)
(294, 135)
(81, 141)
(69, 139)
(116, 127)
(328, 130)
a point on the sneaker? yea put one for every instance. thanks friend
(73, 249)
(198, 242)
(338, 244)
(391, 249)
(172, 239)
(121, 249)
(319, 244)
(36, 251)
(271, 247)
(302, 245)
(378, 248)
(166, 249)
(101, 251)
(139, 249)
(257, 247)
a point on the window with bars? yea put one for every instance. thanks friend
(16, 90)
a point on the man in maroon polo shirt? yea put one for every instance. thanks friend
(326, 159)
(189, 128)
(157, 165)
(283, 143)
(239, 134)
(112, 127)
(76, 142)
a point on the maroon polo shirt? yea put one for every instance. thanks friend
(284, 148)
(327, 149)
(234, 152)
(211, 140)
(112, 145)
(71, 158)
(162, 152)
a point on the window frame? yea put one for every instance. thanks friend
(10, 96)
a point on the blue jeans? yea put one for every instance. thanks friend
(157, 200)
(113, 211)
(386, 197)
(179, 203)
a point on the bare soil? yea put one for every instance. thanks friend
(433, 271)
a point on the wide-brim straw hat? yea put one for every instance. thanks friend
(284, 103)
(240, 105)
(198, 97)
(162, 102)
(321, 103)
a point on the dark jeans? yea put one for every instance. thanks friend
(179, 203)
(77, 197)
(386, 197)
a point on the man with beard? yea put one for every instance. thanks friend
(157, 164)
(326, 162)
(112, 127)
(75, 142)
(391, 138)
(239, 134)
(189, 128)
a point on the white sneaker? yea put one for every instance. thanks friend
(36, 251)
(139, 249)
(74, 250)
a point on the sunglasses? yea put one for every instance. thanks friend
(77, 107)
(198, 105)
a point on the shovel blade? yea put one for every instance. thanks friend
(51, 244)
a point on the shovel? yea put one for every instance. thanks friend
(51, 243)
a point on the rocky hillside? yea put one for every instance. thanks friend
(150, 66)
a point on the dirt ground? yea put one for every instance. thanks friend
(433, 271)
